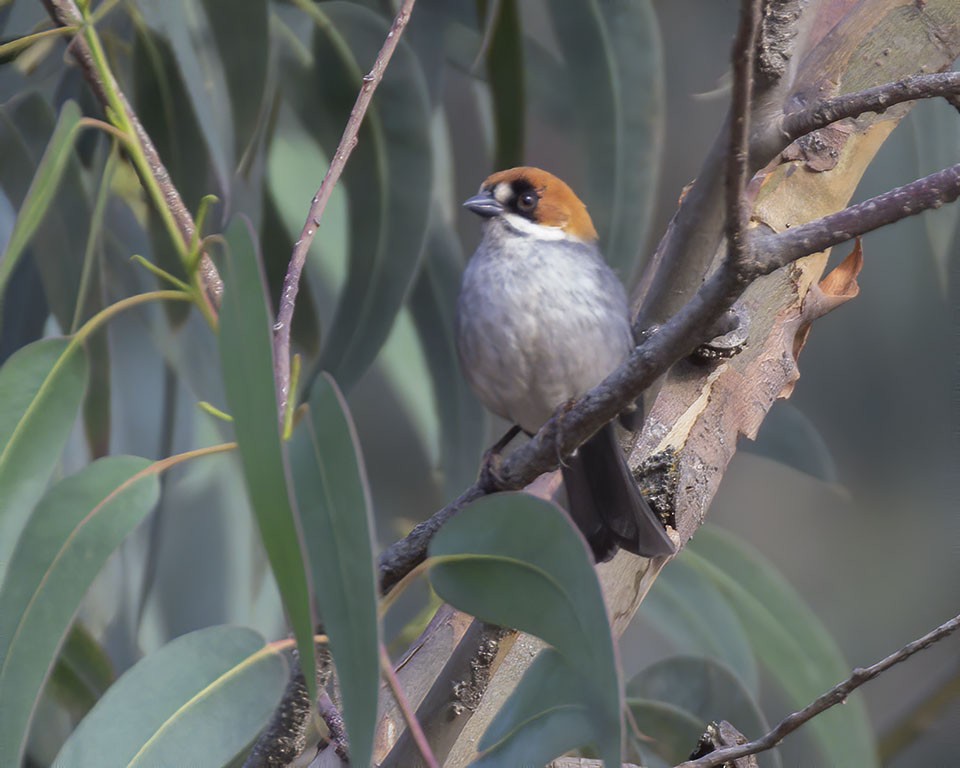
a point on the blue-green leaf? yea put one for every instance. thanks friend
(516, 560)
(696, 692)
(544, 717)
(789, 640)
(186, 27)
(69, 537)
(335, 507)
(246, 356)
(200, 700)
(614, 77)
(41, 388)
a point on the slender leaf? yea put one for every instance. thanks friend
(518, 561)
(505, 68)
(73, 531)
(701, 690)
(42, 189)
(544, 717)
(334, 501)
(39, 173)
(186, 27)
(82, 673)
(614, 77)
(388, 178)
(200, 700)
(241, 32)
(686, 606)
(41, 388)
(790, 641)
(246, 356)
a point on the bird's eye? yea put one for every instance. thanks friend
(527, 201)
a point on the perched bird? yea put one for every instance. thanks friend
(541, 319)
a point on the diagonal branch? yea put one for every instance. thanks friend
(291, 283)
(878, 100)
(153, 173)
(831, 698)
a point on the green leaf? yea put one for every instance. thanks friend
(69, 537)
(515, 560)
(246, 356)
(185, 25)
(42, 190)
(666, 729)
(39, 173)
(388, 179)
(504, 68)
(433, 306)
(199, 700)
(790, 641)
(698, 619)
(544, 717)
(82, 673)
(242, 32)
(700, 691)
(41, 388)
(337, 515)
(614, 77)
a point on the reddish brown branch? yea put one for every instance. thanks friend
(834, 696)
(291, 283)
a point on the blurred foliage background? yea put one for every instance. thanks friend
(850, 489)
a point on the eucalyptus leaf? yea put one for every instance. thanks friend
(41, 388)
(39, 173)
(504, 67)
(200, 699)
(185, 25)
(792, 644)
(246, 356)
(614, 77)
(515, 560)
(42, 189)
(694, 614)
(543, 718)
(337, 515)
(69, 537)
(388, 179)
(704, 691)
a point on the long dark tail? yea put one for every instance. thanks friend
(606, 504)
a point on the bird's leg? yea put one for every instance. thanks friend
(493, 458)
(560, 413)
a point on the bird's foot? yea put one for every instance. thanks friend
(492, 460)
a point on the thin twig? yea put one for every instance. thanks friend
(291, 283)
(878, 100)
(408, 714)
(334, 722)
(738, 158)
(834, 696)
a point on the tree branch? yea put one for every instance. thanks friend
(738, 152)
(829, 699)
(291, 283)
(877, 100)
(153, 173)
(931, 191)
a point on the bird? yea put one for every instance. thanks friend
(541, 319)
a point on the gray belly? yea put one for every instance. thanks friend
(534, 333)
